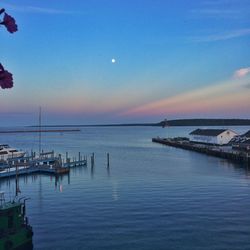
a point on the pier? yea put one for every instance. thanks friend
(45, 163)
(225, 152)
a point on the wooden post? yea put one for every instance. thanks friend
(66, 156)
(108, 160)
(93, 159)
(17, 181)
(79, 156)
(60, 159)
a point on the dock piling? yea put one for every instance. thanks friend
(66, 156)
(92, 160)
(108, 160)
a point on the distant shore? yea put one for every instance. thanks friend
(165, 123)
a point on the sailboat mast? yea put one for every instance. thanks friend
(40, 127)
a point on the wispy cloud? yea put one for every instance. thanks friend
(241, 72)
(222, 36)
(221, 9)
(46, 10)
(37, 10)
(222, 2)
(216, 13)
(229, 95)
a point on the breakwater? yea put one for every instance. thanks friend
(225, 152)
(39, 131)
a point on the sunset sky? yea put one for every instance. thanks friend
(173, 59)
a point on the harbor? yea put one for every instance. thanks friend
(125, 125)
(176, 190)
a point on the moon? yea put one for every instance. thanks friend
(113, 60)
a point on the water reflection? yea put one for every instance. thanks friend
(61, 188)
(59, 180)
(92, 172)
(242, 168)
(108, 171)
(9, 184)
(115, 193)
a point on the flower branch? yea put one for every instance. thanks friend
(8, 21)
(6, 79)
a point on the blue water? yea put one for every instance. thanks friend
(151, 197)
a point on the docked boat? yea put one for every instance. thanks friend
(15, 231)
(7, 152)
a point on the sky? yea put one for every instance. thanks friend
(172, 59)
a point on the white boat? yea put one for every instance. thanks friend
(7, 152)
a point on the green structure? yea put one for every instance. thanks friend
(15, 232)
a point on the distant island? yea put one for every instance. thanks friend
(166, 123)
(205, 122)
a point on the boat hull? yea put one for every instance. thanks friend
(14, 155)
(21, 240)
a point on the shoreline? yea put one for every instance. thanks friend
(165, 123)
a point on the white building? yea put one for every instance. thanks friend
(212, 136)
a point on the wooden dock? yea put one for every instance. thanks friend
(46, 163)
(217, 151)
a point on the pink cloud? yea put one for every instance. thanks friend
(222, 97)
(242, 72)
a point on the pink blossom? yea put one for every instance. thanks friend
(10, 23)
(6, 79)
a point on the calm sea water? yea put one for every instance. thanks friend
(151, 197)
